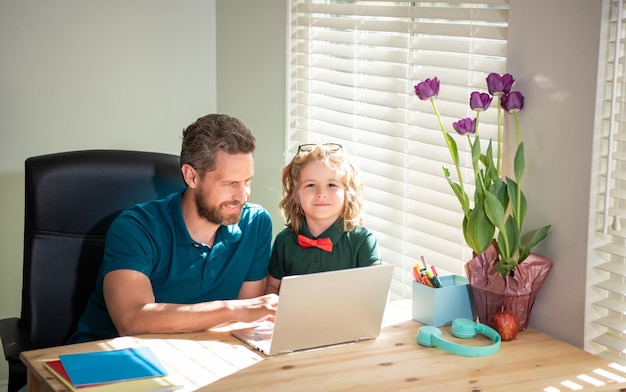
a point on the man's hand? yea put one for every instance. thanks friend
(254, 309)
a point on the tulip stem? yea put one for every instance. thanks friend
(455, 158)
(519, 139)
(499, 136)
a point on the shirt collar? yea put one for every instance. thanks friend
(334, 232)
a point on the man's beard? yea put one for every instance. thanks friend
(213, 214)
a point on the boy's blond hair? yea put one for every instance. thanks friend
(336, 160)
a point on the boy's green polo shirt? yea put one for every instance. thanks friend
(356, 248)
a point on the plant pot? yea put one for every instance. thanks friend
(491, 291)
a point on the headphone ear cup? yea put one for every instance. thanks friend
(463, 328)
(425, 335)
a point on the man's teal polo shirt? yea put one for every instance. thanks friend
(152, 238)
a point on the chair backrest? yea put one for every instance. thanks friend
(71, 199)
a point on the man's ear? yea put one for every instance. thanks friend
(190, 175)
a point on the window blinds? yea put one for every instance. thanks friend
(352, 69)
(608, 292)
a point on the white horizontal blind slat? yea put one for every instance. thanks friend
(352, 69)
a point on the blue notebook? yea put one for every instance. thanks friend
(111, 366)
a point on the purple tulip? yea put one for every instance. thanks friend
(513, 101)
(465, 126)
(427, 89)
(499, 85)
(480, 101)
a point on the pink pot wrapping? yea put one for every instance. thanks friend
(491, 291)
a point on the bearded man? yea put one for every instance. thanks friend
(194, 260)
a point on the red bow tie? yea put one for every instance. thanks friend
(323, 243)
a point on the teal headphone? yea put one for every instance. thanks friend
(463, 328)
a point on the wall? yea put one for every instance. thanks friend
(251, 66)
(556, 68)
(132, 75)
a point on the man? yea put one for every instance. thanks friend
(194, 260)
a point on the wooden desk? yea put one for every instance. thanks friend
(215, 361)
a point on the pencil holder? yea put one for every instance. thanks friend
(439, 306)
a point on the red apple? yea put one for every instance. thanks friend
(506, 323)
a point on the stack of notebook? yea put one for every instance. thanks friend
(131, 369)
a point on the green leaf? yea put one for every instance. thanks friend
(479, 191)
(452, 147)
(487, 158)
(491, 174)
(513, 237)
(499, 189)
(496, 214)
(518, 163)
(523, 208)
(458, 191)
(531, 239)
(475, 154)
(478, 229)
(512, 192)
(494, 210)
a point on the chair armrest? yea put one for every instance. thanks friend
(14, 338)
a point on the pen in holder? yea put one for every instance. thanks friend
(438, 306)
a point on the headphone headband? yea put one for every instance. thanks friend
(463, 328)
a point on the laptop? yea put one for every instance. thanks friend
(323, 309)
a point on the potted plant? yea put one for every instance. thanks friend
(494, 217)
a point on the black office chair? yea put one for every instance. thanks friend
(71, 199)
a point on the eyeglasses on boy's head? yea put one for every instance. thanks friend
(332, 147)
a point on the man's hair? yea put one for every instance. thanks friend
(337, 161)
(213, 132)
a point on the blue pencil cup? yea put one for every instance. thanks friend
(439, 306)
